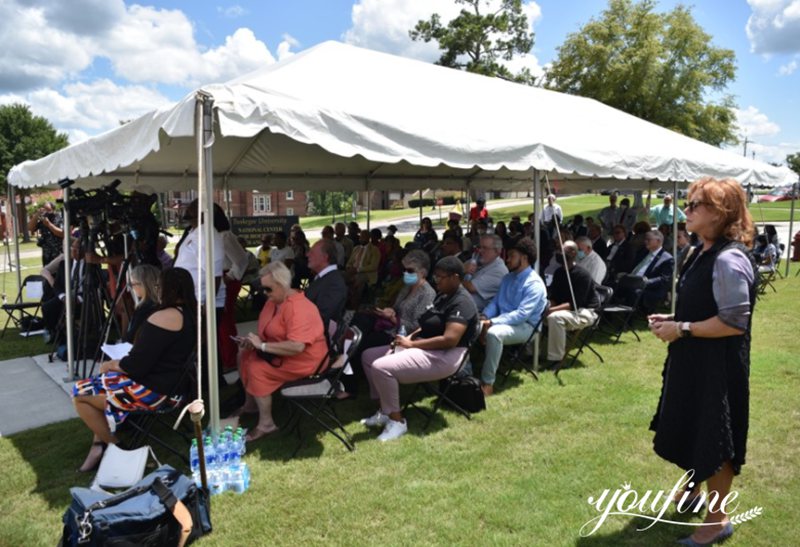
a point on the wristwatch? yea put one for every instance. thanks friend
(686, 329)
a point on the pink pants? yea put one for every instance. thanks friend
(385, 372)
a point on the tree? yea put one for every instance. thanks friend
(793, 161)
(331, 203)
(477, 41)
(24, 136)
(660, 67)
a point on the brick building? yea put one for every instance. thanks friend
(248, 203)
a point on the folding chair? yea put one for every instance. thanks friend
(143, 423)
(515, 356)
(23, 307)
(435, 388)
(616, 314)
(313, 396)
(582, 338)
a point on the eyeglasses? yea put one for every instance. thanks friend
(267, 290)
(695, 203)
(410, 270)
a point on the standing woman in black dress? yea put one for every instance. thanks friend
(702, 416)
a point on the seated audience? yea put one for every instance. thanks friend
(483, 281)
(765, 254)
(590, 260)
(515, 310)
(563, 315)
(149, 377)
(289, 345)
(362, 268)
(341, 237)
(626, 215)
(426, 236)
(281, 252)
(620, 254)
(577, 227)
(609, 216)
(656, 269)
(599, 244)
(684, 247)
(432, 352)
(327, 290)
(329, 234)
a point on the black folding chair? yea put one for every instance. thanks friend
(616, 313)
(439, 389)
(313, 396)
(515, 356)
(22, 307)
(145, 423)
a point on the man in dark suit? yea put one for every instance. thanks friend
(620, 259)
(656, 269)
(327, 290)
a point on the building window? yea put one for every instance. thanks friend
(289, 195)
(289, 211)
(262, 203)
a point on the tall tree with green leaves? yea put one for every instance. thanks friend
(24, 136)
(661, 67)
(477, 39)
(793, 161)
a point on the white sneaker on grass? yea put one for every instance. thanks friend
(379, 419)
(393, 430)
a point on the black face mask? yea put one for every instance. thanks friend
(560, 259)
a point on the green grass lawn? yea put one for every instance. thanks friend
(519, 473)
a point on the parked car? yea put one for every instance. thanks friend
(781, 193)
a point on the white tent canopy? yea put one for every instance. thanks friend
(337, 116)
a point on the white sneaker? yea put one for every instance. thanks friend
(393, 430)
(379, 419)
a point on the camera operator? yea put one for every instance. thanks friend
(49, 225)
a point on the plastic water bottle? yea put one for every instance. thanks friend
(228, 433)
(242, 446)
(401, 331)
(236, 479)
(210, 453)
(194, 458)
(222, 452)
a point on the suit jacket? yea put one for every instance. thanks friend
(623, 259)
(658, 274)
(600, 247)
(329, 294)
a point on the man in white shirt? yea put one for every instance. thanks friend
(609, 216)
(590, 260)
(187, 254)
(281, 252)
(552, 216)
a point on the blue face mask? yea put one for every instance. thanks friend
(410, 278)
(581, 254)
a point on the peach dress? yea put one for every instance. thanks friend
(296, 319)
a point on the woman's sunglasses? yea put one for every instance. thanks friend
(695, 203)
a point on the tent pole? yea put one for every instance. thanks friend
(674, 243)
(468, 205)
(537, 238)
(420, 207)
(227, 191)
(205, 184)
(12, 205)
(69, 302)
(795, 189)
(369, 204)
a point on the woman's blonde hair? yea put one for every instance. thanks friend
(279, 272)
(147, 275)
(728, 200)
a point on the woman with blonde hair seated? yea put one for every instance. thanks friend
(289, 345)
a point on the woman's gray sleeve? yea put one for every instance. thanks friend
(733, 277)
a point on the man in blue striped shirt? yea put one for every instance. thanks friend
(514, 311)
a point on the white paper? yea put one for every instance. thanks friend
(34, 290)
(117, 351)
(348, 370)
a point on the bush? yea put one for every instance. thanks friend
(430, 202)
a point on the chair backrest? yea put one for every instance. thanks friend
(630, 282)
(33, 287)
(346, 346)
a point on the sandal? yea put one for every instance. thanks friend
(257, 432)
(96, 464)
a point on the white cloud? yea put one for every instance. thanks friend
(774, 26)
(788, 68)
(284, 48)
(383, 25)
(753, 123)
(83, 108)
(232, 12)
(772, 153)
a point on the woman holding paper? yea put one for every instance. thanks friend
(150, 377)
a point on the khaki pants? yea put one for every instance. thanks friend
(558, 323)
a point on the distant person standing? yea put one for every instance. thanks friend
(50, 228)
(479, 210)
(662, 214)
(552, 216)
(609, 216)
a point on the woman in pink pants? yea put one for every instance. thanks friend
(431, 352)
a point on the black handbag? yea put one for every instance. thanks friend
(465, 391)
(164, 508)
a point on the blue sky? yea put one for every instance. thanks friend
(87, 64)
